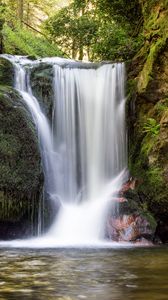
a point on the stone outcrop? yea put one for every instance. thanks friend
(148, 112)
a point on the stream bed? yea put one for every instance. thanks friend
(71, 274)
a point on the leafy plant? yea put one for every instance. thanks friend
(152, 127)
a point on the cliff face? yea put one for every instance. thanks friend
(148, 110)
(21, 178)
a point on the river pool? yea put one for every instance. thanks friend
(71, 274)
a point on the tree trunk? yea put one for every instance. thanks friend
(20, 11)
(28, 13)
(81, 51)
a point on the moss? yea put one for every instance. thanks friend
(161, 106)
(155, 36)
(148, 151)
(6, 72)
(146, 74)
(42, 80)
(21, 178)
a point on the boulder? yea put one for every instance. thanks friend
(21, 176)
(130, 221)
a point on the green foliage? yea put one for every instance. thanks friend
(155, 177)
(22, 41)
(122, 10)
(114, 42)
(92, 28)
(72, 29)
(151, 127)
(30, 11)
(161, 106)
(19, 28)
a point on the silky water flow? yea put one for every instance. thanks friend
(83, 147)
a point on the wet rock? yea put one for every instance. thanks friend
(129, 228)
(21, 177)
(143, 242)
(131, 221)
(41, 81)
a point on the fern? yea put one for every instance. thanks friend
(152, 127)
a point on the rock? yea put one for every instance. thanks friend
(142, 242)
(130, 184)
(41, 81)
(6, 72)
(21, 176)
(131, 221)
(129, 228)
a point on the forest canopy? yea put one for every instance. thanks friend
(89, 29)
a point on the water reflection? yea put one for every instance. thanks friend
(84, 274)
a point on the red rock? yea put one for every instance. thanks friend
(127, 228)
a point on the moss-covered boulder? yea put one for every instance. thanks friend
(21, 178)
(6, 72)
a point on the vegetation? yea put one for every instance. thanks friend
(21, 41)
(85, 29)
(117, 30)
(20, 28)
(151, 127)
(82, 29)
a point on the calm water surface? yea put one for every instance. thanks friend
(71, 274)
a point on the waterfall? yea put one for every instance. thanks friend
(83, 147)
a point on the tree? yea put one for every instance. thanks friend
(20, 10)
(31, 12)
(73, 28)
(100, 29)
(19, 28)
(2, 21)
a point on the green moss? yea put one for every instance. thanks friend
(147, 145)
(161, 106)
(156, 35)
(42, 80)
(21, 177)
(6, 72)
(146, 74)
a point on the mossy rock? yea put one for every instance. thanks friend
(6, 72)
(156, 37)
(21, 177)
(41, 81)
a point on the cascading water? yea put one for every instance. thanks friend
(84, 151)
